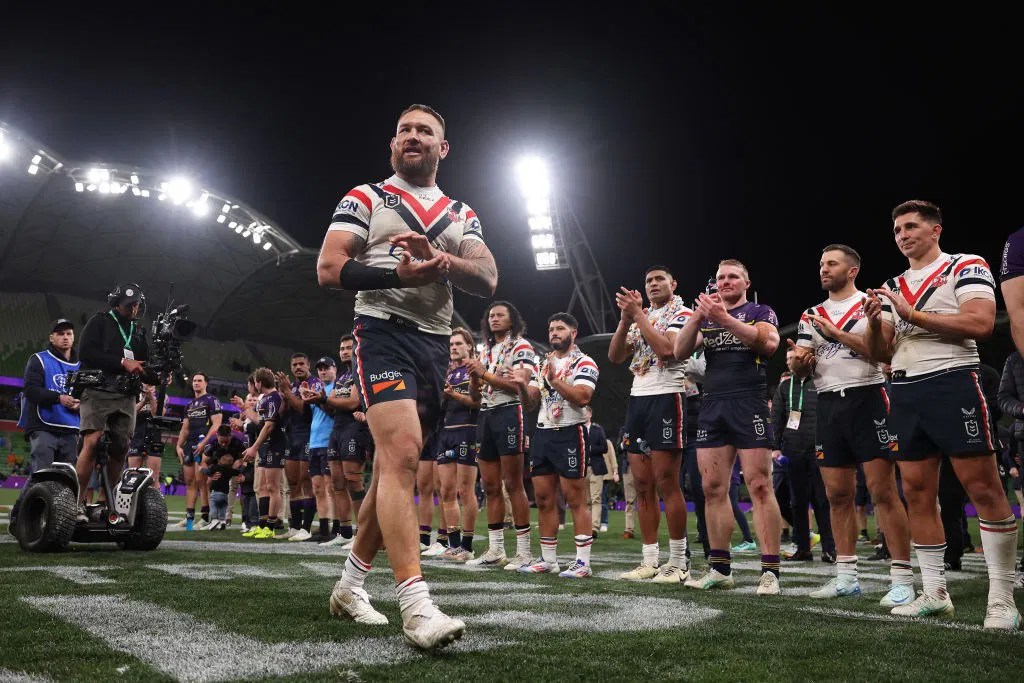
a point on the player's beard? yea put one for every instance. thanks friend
(562, 344)
(837, 283)
(423, 168)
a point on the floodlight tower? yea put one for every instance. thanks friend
(559, 243)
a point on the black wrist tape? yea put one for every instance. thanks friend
(359, 277)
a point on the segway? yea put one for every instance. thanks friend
(47, 518)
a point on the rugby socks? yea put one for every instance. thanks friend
(650, 554)
(496, 537)
(999, 540)
(720, 561)
(454, 537)
(933, 569)
(325, 527)
(771, 563)
(205, 512)
(583, 545)
(442, 536)
(523, 539)
(264, 507)
(355, 572)
(467, 541)
(295, 518)
(846, 568)
(336, 527)
(900, 573)
(677, 552)
(425, 530)
(345, 529)
(190, 513)
(308, 513)
(274, 523)
(412, 593)
(549, 549)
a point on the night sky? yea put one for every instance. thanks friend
(679, 138)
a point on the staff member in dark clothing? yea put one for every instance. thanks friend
(49, 415)
(112, 343)
(597, 446)
(794, 408)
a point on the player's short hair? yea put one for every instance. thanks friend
(850, 253)
(467, 337)
(224, 430)
(737, 264)
(930, 212)
(345, 338)
(655, 267)
(567, 318)
(518, 324)
(426, 109)
(263, 377)
(300, 354)
(206, 378)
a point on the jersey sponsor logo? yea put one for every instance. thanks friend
(389, 379)
(720, 339)
(58, 381)
(970, 421)
(386, 375)
(474, 226)
(588, 370)
(702, 435)
(882, 431)
(349, 206)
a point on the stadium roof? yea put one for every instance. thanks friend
(77, 228)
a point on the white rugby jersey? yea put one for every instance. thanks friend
(940, 287)
(378, 212)
(837, 366)
(511, 353)
(652, 375)
(555, 411)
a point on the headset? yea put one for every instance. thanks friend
(125, 290)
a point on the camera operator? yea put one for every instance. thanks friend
(113, 344)
(142, 452)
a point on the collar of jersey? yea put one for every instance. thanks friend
(431, 193)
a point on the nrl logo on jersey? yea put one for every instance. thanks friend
(882, 431)
(970, 424)
(758, 426)
(391, 201)
(666, 429)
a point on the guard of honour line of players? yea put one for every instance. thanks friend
(401, 244)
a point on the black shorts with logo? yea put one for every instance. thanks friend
(457, 445)
(298, 446)
(559, 450)
(500, 431)
(942, 414)
(853, 426)
(395, 360)
(656, 423)
(737, 421)
(271, 456)
(350, 443)
(318, 458)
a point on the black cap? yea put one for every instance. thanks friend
(61, 324)
(327, 362)
(130, 292)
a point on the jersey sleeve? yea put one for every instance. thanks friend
(888, 314)
(215, 405)
(316, 385)
(805, 331)
(523, 354)
(585, 373)
(765, 314)
(1013, 257)
(273, 408)
(353, 212)
(972, 279)
(471, 229)
(679, 321)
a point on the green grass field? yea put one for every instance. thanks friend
(215, 606)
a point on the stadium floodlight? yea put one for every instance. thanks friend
(534, 181)
(239, 228)
(256, 238)
(91, 187)
(33, 169)
(538, 206)
(36, 159)
(104, 188)
(232, 224)
(539, 223)
(79, 187)
(266, 246)
(225, 208)
(134, 179)
(246, 233)
(145, 193)
(136, 191)
(546, 259)
(532, 173)
(161, 196)
(221, 218)
(178, 189)
(97, 175)
(5, 147)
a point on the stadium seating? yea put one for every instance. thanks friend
(23, 331)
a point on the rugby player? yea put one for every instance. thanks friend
(738, 337)
(138, 456)
(655, 417)
(562, 389)
(298, 420)
(457, 448)
(402, 327)
(202, 419)
(926, 322)
(501, 433)
(852, 425)
(270, 446)
(319, 446)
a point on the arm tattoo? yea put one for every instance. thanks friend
(474, 270)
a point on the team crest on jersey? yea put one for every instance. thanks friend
(391, 201)
(666, 429)
(512, 436)
(970, 424)
(58, 381)
(463, 449)
(882, 431)
(453, 216)
(939, 281)
(572, 456)
(758, 426)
